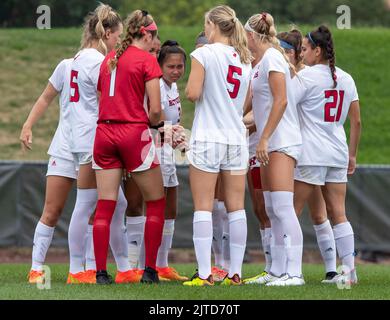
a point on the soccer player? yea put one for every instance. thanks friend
(278, 149)
(218, 83)
(291, 42)
(61, 171)
(123, 139)
(172, 60)
(220, 244)
(327, 97)
(102, 31)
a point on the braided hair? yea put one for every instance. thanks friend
(322, 37)
(134, 23)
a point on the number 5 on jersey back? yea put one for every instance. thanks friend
(74, 95)
(235, 82)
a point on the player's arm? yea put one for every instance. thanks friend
(194, 87)
(277, 84)
(153, 92)
(248, 101)
(36, 113)
(354, 134)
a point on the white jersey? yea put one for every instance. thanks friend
(83, 99)
(60, 80)
(219, 110)
(322, 112)
(287, 133)
(170, 102)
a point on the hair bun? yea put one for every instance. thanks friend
(170, 43)
(323, 29)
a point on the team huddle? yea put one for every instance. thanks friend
(269, 112)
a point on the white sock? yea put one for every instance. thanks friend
(266, 244)
(278, 253)
(78, 227)
(118, 238)
(343, 235)
(166, 243)
(327, 245)
(42, 240)
(283, 206)
(141, 261)
(238, 234)
(225, 237)
(218, 232)
(203, 236)
(90, 262)
(135, 234)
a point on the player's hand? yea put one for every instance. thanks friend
(179, 136)
(262, 151)
(351, 165)
(26, 138)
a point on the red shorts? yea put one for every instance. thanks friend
(124, 145)
(256, 179)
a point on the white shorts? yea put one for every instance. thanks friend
(292, 151)
(170, 181)
(82, 158)
(318, 175)
(214, 157)
(61, 167)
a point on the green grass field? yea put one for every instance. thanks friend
(28, 56)
(373, 284)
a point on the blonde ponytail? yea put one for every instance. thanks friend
(263, 26)
(231, 27)
(96, 24)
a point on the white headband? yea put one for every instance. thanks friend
(247, 27)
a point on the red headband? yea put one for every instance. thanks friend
(264, 16)
(151, 27)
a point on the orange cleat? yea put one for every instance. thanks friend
(170, 274)
(218, 274)
(90, 276)
(81, 277)
(36, 277)
(130, 276)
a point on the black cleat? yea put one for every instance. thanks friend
(102, 277)
(150, 276)
(330, 277)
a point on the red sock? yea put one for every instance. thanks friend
(153, 230)
(101, 231)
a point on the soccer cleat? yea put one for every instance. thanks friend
(197, 281)
(233, 281)
(102, 277)
(218, 274)
(254, 279)
(286, 280)
(80, 277)
(330, 277)
(130, 276)
(170, 273)
(264, 279)
(150, 276)
(90, 276)
(36, 277)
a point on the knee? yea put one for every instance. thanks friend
(51, 214)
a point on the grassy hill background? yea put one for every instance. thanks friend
(28, 57)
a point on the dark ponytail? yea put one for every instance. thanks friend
(322, 37)
(170, 47)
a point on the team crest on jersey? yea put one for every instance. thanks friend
(234, 54)
(256, 75)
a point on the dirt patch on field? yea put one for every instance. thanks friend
(61, 255)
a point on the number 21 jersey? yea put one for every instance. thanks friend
(322, 112)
